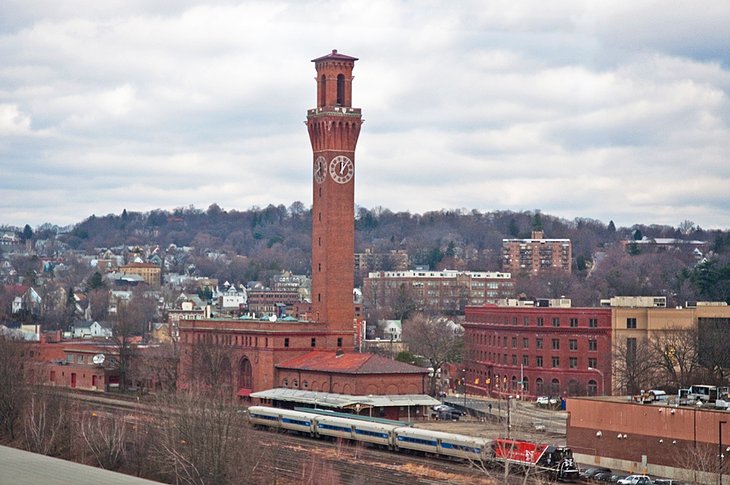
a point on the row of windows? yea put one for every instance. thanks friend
(242, 340)
(541, 386)
(573, 322)
(495, 341)
(539, 360)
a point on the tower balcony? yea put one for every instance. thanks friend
(334, 110)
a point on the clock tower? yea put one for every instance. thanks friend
(334, 126)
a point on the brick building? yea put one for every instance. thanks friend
(661, 439)
(534, 350)
(261, 355)
(447, 291)
(532, 256)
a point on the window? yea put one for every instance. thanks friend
(593, 344)
(556, 322)
(525, 343)
(526, 360)
(593, 322)
(573, 362)
(556, 361)
(314, 341)
(514, 359)
(285, 382)
(525, 321)
(340, 90)
(556, 344)
(538, 361)
(539, 385)
(339, 341)
(70, 358)
(514, 342)
(540, 321)
(286, 342)
(573, 322)
(592, 388)
(573, 344)
(79, 359)
(555, 387)
(630, 323)
(592, 362)
(538, 343)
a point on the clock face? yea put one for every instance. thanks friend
(320, 169)
(341, 169)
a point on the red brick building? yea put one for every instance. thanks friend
(262, 355)
(661, 438)
(532, 256)
(537, 350)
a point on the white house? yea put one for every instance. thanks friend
(90, 329)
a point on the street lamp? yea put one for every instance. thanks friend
(603, 380)
(464, 381)
(719, 449)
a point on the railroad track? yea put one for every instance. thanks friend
(296, 459)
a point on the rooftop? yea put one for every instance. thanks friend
(349, 363)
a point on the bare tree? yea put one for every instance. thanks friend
(105, 437)
(633, 370)
(437, 339)
(13, 389)
(159, 365)
(203, 441)
(49, 425)
(210, 369)
(675, 352)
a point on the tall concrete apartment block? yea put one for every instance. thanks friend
(334, 127)
(532, 256)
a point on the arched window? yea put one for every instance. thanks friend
(539, 386)
(514, 382)
(285, 382)
(592, 388)
(525, 386)
(573, 387)
(245, 374)
(340, 90)
(555, 387)
(323, 90)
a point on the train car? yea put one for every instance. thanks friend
(354, 429)
(281, 418)
(440, 443)
(557, 460)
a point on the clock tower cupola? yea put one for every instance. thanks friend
(334, 127)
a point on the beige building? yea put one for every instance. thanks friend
(532, 256)
(634, 320)
(447, 291)
(150, 273)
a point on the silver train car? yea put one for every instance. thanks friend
(387, 435)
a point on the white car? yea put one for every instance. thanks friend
(636, 480)
(546, 401)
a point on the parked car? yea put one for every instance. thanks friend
(545, 401)
(636, 480)
(443, 411)
(590, 472)
(604, 477)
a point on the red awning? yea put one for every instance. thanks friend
(244, 392)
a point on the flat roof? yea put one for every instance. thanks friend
(342, 401)
(23, 467)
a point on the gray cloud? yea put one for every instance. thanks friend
(613, 110)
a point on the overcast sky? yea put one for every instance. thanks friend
(612, 110)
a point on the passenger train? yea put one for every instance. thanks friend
(555, 460)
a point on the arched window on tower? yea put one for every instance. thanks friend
(322, 90)
(340, 90)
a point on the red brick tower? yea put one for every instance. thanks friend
(334, 126)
